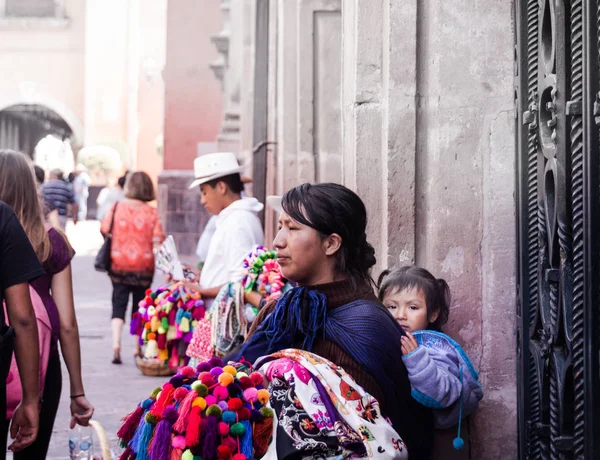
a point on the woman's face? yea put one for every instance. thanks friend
(302, 253)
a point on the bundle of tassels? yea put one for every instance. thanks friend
(165, 322)
(211, 412)
(262, 273)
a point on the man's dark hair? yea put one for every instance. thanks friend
(40, 174)
(232, 181)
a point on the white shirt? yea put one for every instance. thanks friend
(237, 230)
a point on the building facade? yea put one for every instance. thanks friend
(411, 104)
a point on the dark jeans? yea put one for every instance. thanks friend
(48, 410)
(120, 298)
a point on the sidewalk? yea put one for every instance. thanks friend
(113, 390)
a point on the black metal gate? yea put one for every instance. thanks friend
(558, 209)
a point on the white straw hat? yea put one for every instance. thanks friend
(214, 165)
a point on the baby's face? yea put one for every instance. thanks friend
(409, 308)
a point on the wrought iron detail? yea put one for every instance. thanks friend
(558, 104)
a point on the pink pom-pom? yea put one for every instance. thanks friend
(187, 371)
(223, 429)
(180, 393)
(211, 400)
(178, 442)
(221, 393)
(250, 395)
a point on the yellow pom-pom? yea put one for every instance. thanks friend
(263, 396)
(154, 324)
(200, 402)
(225, 379)
(230, 370)
(239, 375)
(163, 355)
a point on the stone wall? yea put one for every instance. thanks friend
(180, 210)
(429, 145)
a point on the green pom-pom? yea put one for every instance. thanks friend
(267, 412)
(155, 392)
(187, 455)
(214, 410)
(200, 388)
(237, 429)
(151, 418)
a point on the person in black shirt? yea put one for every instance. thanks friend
(18, 266)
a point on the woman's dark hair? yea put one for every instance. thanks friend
(139, 186)
(333, 208)
(121, 180)
(40, 174)
(233, 181)
(436, 291)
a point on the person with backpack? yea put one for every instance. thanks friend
(18, 266)
(440, 373)
(55, 288)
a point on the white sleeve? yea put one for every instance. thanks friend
(242, 242)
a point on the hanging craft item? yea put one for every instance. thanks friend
(167, 261)
(165, 323)
(213, 411)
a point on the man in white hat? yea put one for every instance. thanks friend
(237, 228)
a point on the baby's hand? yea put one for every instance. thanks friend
(408, 343)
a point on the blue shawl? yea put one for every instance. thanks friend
(367, 332)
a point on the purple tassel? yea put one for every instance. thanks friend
(161, 445)
(210, 435)
(134, 324)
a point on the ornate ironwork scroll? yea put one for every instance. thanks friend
(558, 55)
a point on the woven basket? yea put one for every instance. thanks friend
(154, 367)
(103, 439)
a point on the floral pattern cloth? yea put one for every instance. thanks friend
(322, 413)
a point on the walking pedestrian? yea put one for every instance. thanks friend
(18, 266)
(62, 195)
(109, 196)
(136, 232)
(50, 211)
(55, 288)
(81, 187)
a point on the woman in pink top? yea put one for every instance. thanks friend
(136, 232)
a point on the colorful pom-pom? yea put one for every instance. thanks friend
(214, 410)
(267, 412)
(251, 395)
(230, 370)
(222, 405)
(215, 362)
(187, 371)
(151, 418)
(199, 402)
(203, 367)
(223, 453)
(223, 428)
(263, 396)
(244, 413)
(229, 417)
(257, 378)
(216, 371)
(210, 400)
(221, 393)
(235, 404)
(239, 457)
(200, 388)
(226, 379)
(245, 382)
(237, 429)
(178, 442)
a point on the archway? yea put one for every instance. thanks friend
(22, 126)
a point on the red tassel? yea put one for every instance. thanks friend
(261, 436)
(130, 424)
(184, 412)
(162, 341)
(127, 454)
(166, 398)
(194, 427)
(176, 454)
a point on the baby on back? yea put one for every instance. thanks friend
(440, 373)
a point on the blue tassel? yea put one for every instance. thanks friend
(179, 316)
(135, 442)
(145, 438)
(458, 442)
(246, 440)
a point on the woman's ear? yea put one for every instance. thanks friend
(332, 244)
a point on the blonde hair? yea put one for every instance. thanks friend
(18, 189)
